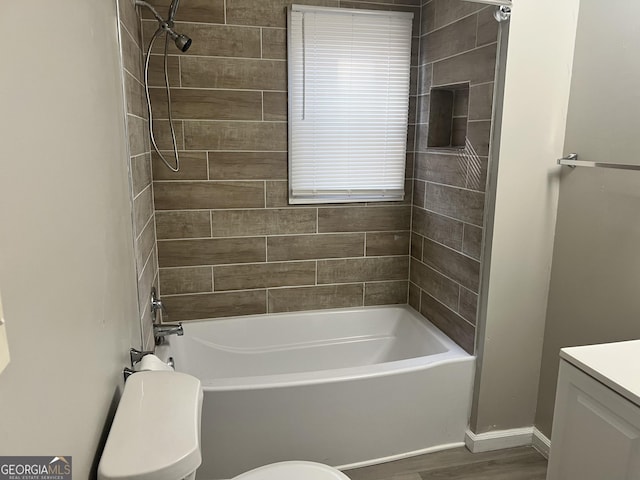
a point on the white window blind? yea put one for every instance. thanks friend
(348, 104)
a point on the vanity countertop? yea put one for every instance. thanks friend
(616, 365)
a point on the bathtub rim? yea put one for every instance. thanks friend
(453, 354)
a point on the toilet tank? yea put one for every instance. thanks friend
(156, 430)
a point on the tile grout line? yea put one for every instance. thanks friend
(266, 250)
(284, 287)
(477, 29)
(452, 22)
(278, 235)
(448, 248)
(327, 260)
(264, 188)
(415, 145)
(449, 57)
(214, 121)
(466, 189)
(213, 150)
(448, 308)
(457, 284)
(145, 264)
(145, 188)
(306, 262)
(222, 89)
(137, 240)
(226, 57)
(124, 27)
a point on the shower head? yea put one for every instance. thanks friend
(182, 41)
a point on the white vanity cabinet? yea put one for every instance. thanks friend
(596, 424)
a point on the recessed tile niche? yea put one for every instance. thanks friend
(448, 114)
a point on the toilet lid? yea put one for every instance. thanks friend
(293, 471)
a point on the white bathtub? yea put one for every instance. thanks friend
(345, 387)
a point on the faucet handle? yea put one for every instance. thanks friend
(156, 304)
(136, 355)
(127, 372)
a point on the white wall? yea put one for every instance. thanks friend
(593, 295)
(539, 62)
(66, 258)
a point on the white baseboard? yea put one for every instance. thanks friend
(499, 439)
(541, 443)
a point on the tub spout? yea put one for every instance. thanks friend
(161, 331)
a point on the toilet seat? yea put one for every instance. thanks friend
(293, 471)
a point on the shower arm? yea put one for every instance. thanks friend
(173, 9)
(162, 21)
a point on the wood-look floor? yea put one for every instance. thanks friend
(523, 463)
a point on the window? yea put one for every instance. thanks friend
(348, 104)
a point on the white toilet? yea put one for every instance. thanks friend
(156, 435)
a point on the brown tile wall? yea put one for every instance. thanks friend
(228, 242)
(140, 163)
(457, 45)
